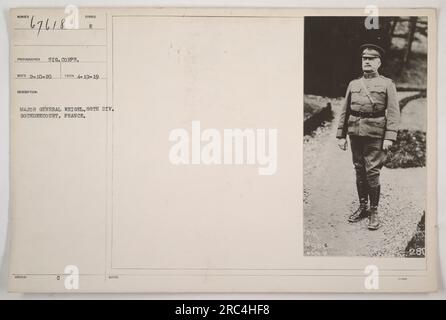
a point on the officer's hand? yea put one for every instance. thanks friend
(342, 143)
(387, 144)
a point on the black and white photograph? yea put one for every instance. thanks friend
(365, 124)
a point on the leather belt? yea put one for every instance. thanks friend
(360, 114)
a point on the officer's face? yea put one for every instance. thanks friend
(370, 64)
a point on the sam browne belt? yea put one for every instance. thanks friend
(360, 114)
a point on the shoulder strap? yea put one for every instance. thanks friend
(367, 93)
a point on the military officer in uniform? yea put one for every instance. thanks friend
(370, 117)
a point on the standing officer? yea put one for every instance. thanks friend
(370, 116)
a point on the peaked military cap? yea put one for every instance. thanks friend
(372, 50)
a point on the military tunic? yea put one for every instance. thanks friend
(368, 124)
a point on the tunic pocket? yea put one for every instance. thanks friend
(374, 127)
(357, 97)
(378, 93)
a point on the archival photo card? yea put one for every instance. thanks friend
(222, 150)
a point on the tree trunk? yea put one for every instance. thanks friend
(412, 29)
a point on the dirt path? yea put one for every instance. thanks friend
(330, 196)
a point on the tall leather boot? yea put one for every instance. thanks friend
(361, 212)
(374, 193)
